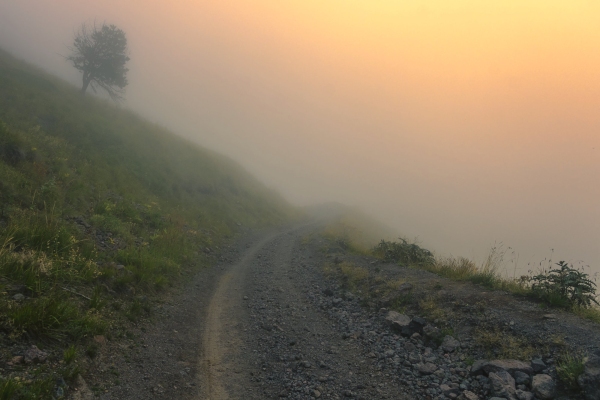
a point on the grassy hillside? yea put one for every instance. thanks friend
(98, 210)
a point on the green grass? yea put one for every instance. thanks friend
(98, 206)
(568, 368)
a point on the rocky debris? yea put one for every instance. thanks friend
(503, 384)
(34, 355)
(589, 381)
(543, 386)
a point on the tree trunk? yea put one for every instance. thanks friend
(86, 82)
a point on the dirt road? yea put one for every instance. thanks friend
(265, 339)
(266, 322)
(245, 329)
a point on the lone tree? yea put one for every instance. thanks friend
(100, 54)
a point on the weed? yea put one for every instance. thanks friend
(96, 301)
(565, 286)
(568, 368)
(430, 308)
(70, 354)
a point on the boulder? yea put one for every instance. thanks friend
(477, 367)
(589, 381)
(503, 385)
(399, 323)
(507, 365)
(521, 378)
(523, 395)
(417, 324)
(543, 386)
(538, 365)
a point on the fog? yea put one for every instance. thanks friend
(462, 123)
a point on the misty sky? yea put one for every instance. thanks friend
(462, 123)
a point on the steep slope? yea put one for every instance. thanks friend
(99, 211)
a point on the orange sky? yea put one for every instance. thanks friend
(461, 122)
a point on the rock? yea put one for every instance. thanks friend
(33, 354)
(427, 368)
(18, 297)
(543, 386)
(523, 395)
(99, 339)
(503, 384)
(16, 360)
(477, 367)
(507, 365)
(589, 381)
(538, 365)
(417, 324)
(450, 344)
(431, 331)
(521, 378)
(447, 390)
(399, 323)
(316, 394)
(467, 395)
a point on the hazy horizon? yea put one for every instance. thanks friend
(461, 123)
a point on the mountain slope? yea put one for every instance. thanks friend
(99, 209)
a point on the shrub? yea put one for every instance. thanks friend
(565, 287)
(403, 252)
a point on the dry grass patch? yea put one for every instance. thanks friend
(430, 308)
(592, 313)
(500, 344)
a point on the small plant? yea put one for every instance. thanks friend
(96, 300)
(92, 350)
(569, 368)
(8, 389)
(70, 354)
(565, 286)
